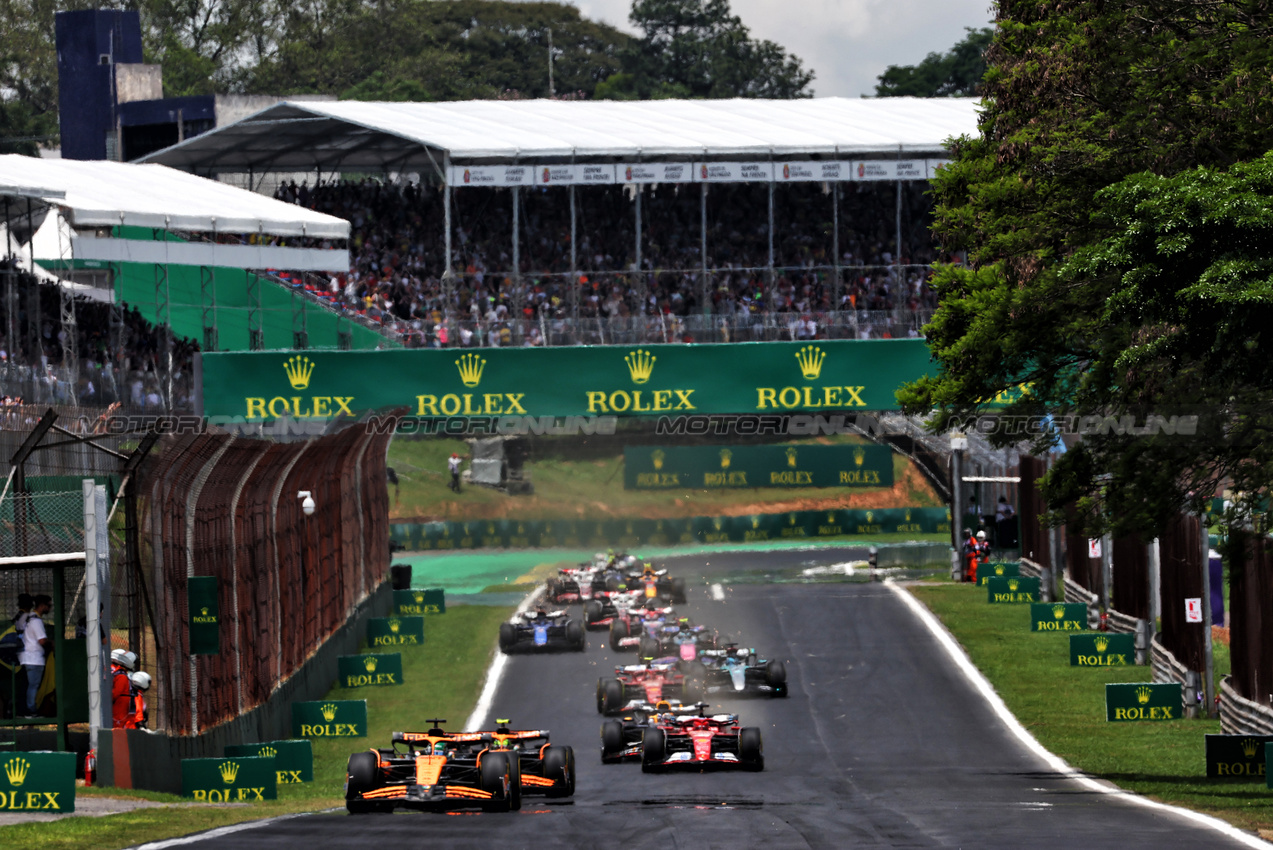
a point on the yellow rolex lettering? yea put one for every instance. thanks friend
(597, 403)
(322, 406)
(468, 405)
(830, 396)
(854, 398)
(662, 400)
(683, 399)
(492, 403)
(808, 399)
(614, 405)
(636, 403)
(200, 794)
(296, 407)
(450, 404)
(789, 401)
(256, 408)
(274, 402)
(307, 729)
(343, 403)
(427, 405)
(765, 397)
(50, 799)
(515, 402)
(33, 800)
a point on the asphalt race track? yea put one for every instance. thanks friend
(880, 744)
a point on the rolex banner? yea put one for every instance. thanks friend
(1001, 569)
(843, 376)
(205, 615)
(293, 759)
(425, 601)
(1057, 616)
(360, 671)
(395, 631)
(1012, 590)
(1103, 649)
(724, 467)
(1236, 757)
(1143, 701)
(229, 780)
(37, 782)
(333, 718)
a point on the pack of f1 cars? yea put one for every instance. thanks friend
(699, 741)
(433, 771)
(622, 736)
(732, 671)
(681, 639)
(658, 583)
(630, 624)
(541, 630)
(647, 683)
(607, 606)
(543, 767)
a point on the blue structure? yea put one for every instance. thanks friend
(90, 43)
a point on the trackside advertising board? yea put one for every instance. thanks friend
(496, 383)
(37, 782)
(1058, 617)
(1102, 650)
(336, 718)
(395, 631)
(407, 603)
(1143, 701)
(293, 759)
(360, 671)
(229, 780)
(1237, 757)
(1012, 590)
(997, 569)
(726, 467)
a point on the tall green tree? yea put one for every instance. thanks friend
(1082, 97)
(955, 73)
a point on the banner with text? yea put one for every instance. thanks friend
(797, 171)
(1143, 701)
(1012, 590)
(1057, 616)
(407, 603)
(37, 782)
(496, 383)
(293, 759)
(1104, 649)
(229, 780)
(369, 669)
(395, 631)
(996, 569)
(723, 467)
(337, 718)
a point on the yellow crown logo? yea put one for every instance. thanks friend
(716, 523)
(791, 517)
(329, 712)
(394, 625)
(1058, 611)
(204, 611)
(640, 365)
(1142, 694)
(471, 366)
(298, 370)
(1102, 644)
(657, 456)
(810, 359)
(870, 516)
(859, 456)
(16, 770)
(791, 455)
(755, 522)
(908, 515)
(268, 752)
(370, 663)
(725, 455)
(419, 598)
(1249, 747)
(830, 516)
(228, 770)
(1013, 584)
(999, 572)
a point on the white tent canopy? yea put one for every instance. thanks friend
(351, 135)
(105, 194)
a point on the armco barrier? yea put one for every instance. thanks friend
(793, 525)
(1241, 716)
(139, 759)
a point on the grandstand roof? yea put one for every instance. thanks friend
(104, 194)
(352, 135)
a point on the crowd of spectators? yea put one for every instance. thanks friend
(397, 255)
(121, 358)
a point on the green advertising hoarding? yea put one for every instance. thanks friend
(1058, 617)
(293, 759)
(649, 380)
(414, 602)
(37, 782)
(1012, 590)
(725, 467)
(1155, 701)
(205, 615)
(333, 718)
(360, 671)
(1103, 650)
(395, 631)
(1001, 569)
(229, 780)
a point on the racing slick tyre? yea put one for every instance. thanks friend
(609, 696)
(493, 775)
(776, 677)
(591, 613)
(648, 647)
(507, 637)
(611, 739)
(559, 767)
(575, 636)
(693, 691)
(515, 781)
(363, 770)
(619, 629)
(678, 591)
(653, 750)
(751, 750)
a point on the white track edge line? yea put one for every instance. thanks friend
(221, 831)
(997, 705)
(494, 674)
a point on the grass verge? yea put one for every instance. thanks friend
(441, 679)
(1064, 708)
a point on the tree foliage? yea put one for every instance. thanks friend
(956, 73)
(1099, 116)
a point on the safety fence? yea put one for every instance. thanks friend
(228, 508)
(793, 525)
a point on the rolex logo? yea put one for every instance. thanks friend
(725, 455)
(298, 370)
(1058, 611)
(228, 770)
(716, 523)
(908, 515)
(1101, 643)
(268, 752)
(1250, 747)
(470, 366)
(791, 517)
(1142, 694)
(810, 359)
(830, 516)
(204, 611)
(657, 456)
(1013, 584)
(640, 365)
(329, 712)
(394, 625)
(870, 517)
(859, 457)
(15, 769)
(755, 522)
(999, 572)
(791, 456)
(419, 598)
(370, 663)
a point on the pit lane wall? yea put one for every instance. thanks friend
(792, 525)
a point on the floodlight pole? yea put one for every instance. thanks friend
(1208, 682)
